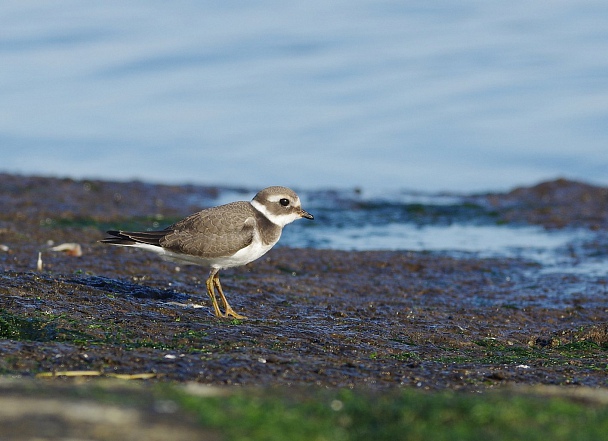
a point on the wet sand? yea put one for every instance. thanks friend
(316, 317)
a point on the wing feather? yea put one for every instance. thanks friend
(212, 232)
(135, 237)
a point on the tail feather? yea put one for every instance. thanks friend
(135, 237)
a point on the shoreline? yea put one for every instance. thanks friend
(557, 203)
(379, 319)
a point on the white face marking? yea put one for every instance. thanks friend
(281, 219)
(278, 197)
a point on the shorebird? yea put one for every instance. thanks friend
(221, 237)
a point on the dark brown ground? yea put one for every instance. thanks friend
(316, 317)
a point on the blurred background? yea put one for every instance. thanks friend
(462, 96)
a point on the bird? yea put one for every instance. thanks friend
(221, 237)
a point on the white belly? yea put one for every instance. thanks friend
(242, 257)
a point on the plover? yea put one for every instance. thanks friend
(221, 237)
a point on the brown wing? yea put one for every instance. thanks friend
(214, 232)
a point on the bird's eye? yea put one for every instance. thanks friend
(284, 202)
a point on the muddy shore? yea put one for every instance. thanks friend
(374, 319)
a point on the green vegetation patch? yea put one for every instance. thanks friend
(491, 352)
(313, 414)
(16, 327)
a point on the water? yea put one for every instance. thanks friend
(462, 96)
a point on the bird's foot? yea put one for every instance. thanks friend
(231, 313)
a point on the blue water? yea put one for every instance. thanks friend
(461, 96)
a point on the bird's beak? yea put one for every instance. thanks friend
(306, 214)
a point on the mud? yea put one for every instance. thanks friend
(316, 317)
(554, 204)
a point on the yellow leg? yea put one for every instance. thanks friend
(211, 293)
(229, 311)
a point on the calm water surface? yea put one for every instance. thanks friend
(464, 96)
